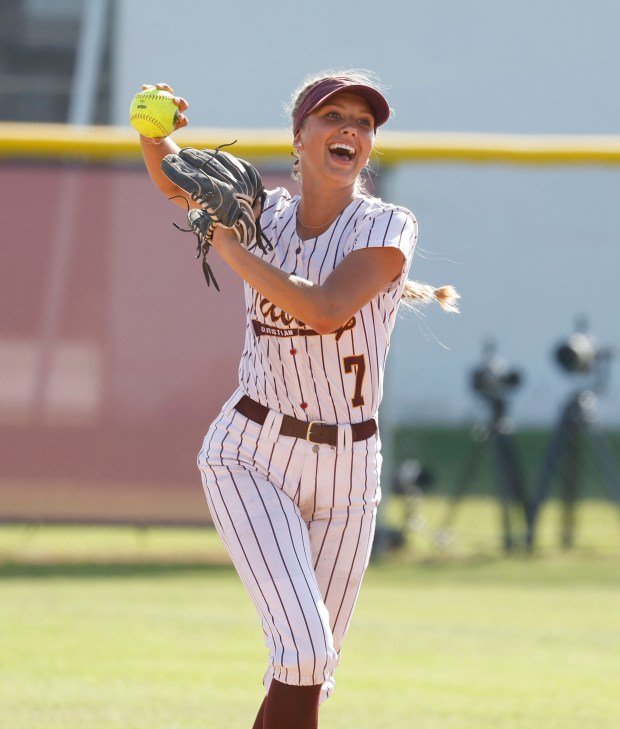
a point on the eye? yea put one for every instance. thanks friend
(365, 121)
(333, 114)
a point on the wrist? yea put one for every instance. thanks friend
(151, 141)
(224, 238)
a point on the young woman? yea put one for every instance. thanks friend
(291, 465)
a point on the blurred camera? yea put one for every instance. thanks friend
(495, 380)
(411, 476)
(580, 353)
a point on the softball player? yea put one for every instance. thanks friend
(291, 465)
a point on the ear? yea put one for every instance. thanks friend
(297, 143)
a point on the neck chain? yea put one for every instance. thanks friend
(314, 227)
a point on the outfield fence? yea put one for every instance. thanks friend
(114, 357)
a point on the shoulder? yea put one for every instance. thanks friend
(375, 209)
(384, 224)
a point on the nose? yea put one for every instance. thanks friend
(349, 129)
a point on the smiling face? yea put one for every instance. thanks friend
(336, 139)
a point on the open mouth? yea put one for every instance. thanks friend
(341, 151)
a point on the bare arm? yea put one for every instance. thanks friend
(325, 307)
(154, 150)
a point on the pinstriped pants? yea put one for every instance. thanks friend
(298, 521)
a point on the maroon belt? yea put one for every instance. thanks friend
(315, 431)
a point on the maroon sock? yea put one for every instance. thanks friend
(258, 722)
(291, 707)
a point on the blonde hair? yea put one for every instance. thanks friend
(414, 292)
(417, 292)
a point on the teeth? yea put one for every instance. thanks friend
(339, 145)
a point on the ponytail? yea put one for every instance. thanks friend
(416, 292)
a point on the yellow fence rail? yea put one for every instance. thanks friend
(64, 142)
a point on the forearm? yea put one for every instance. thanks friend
(153, 152)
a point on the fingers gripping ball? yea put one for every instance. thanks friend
(153, 113)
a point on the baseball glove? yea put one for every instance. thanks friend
(227, 188)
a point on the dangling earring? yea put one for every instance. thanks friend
(295, 173)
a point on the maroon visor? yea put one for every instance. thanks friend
(327, 88)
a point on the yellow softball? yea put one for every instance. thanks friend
(153, 113)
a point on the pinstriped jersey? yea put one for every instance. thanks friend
(289, 367)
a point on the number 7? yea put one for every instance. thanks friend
(356, 361)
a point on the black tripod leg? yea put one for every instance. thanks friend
(570, 483)
(513, 488)
(504, 488)
(553, 456)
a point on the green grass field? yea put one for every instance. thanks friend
(138, 629)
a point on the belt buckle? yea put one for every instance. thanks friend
(309, 431)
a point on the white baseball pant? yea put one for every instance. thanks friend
(298, 520)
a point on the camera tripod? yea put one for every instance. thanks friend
(577, 425)
(496, 437)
